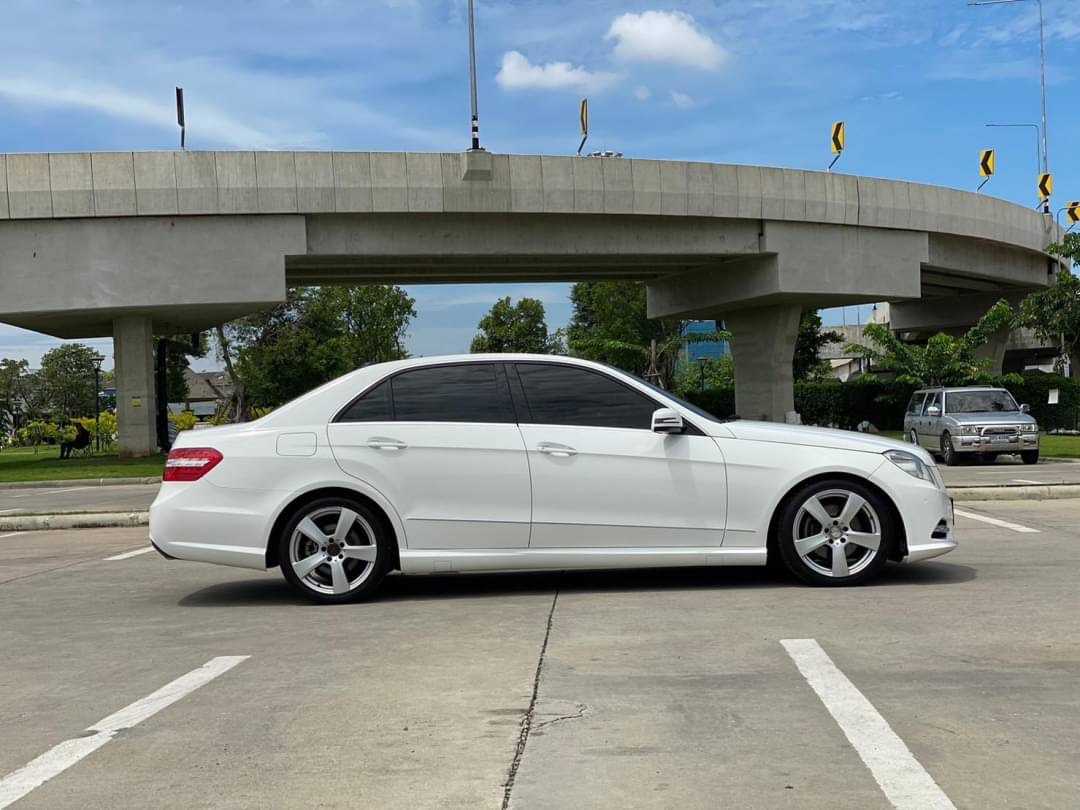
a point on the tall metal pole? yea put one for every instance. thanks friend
(472, 78)
(1042, 68)
(1038, 142)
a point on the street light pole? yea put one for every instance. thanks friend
(98, 360)
(1042, 75)
(472, 78)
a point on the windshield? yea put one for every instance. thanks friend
(979, 402)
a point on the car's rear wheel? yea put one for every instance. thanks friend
(1030, 456)
(948, 454)
(835, 532)
(334, 550)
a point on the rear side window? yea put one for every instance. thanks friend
(915, 406)
(374, 406)
(564, 395)
(473, 392)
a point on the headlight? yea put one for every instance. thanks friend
(1029, 428)
(910, 464)
(970, 430)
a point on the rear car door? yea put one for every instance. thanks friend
(441, 443)
(601, 477)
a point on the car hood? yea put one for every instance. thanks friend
(992, 418)
(810, 436)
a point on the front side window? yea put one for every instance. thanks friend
(564, 395)
(471, 392)
(933, 399)
(981, 402)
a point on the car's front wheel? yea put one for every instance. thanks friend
(835, 532)
(1030, 456)
(334, 550)
(948, 454)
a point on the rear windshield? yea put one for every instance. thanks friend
(979, 402)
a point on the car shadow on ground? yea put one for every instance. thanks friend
(273, 590)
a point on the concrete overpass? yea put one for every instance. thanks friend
(131, 244)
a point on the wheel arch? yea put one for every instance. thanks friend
(898, 553)
(307, 497)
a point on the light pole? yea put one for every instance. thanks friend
(1042, 74)
(472, 79)
(97, 360)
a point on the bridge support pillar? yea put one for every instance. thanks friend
(133, 351)
(763, 346)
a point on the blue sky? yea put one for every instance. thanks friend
(740, 81)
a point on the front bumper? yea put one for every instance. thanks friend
(995, 444)
(925, 509)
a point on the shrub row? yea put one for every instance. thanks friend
(883, 403)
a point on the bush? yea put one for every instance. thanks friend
(1034, 388)
(185, 420)
(720, 402)
(109, 427)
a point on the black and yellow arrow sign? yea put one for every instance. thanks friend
(1073, 212)
(839, 137)
(1046, 186)
(987, 162)
(584, 116)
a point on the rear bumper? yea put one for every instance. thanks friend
(202, 522)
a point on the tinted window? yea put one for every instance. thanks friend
(374, 406)
(915, 406)
(561, 395)
(981, 402)
(466, 393)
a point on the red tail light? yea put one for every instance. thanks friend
(190, 463)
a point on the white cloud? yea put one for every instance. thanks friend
(641, 92)
(665, 36)
(518, 73)
(682, 100)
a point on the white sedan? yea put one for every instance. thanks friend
(524, 462)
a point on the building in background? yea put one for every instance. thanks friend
(693, 352)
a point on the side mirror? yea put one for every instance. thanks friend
(1025, 408)
(666, 420)
(934, 411)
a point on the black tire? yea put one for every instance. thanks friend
(791, 511)
(367, 525)
(948, 454)
(1030, 456)
(990, 458)
(913, 437)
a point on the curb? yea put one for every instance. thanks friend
(80, 482)
(86, 520)
(1045, 492)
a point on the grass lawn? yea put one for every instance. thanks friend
(22, 464)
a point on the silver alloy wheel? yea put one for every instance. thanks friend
(333, 550)
(837, 533)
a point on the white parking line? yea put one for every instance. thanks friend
(1004, 524)
(10, 534)
(50, 491)
(128, 554)
(905, 782)
(61, 757)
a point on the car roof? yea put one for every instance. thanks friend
(948, 388)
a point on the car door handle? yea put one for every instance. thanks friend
(379, 443)
(553, 449)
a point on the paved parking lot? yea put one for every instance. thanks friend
(644, 689)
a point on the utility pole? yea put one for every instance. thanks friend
(472, 78)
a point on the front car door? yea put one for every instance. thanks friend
(929, 426)
(441, 444)
(601, 478)
(913, 416)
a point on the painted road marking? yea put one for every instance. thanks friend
(10, 534)
(61, 757)
(1024, 481)
(50, 491)
(905, 782)
(128, 554)
(1004, 524)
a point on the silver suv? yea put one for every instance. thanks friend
(976, 420)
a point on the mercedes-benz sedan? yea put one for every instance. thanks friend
(523, 462)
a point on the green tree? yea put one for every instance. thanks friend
(67, 380)
(316, 335)
(714, 372)
(179, 350)
(515, 328)
(944, 360)
(1054, 313)
(807, 363)
(610, 324)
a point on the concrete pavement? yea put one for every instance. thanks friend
(643, 689)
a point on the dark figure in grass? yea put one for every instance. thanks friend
(81, 440)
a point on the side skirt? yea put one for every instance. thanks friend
(435, 561)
